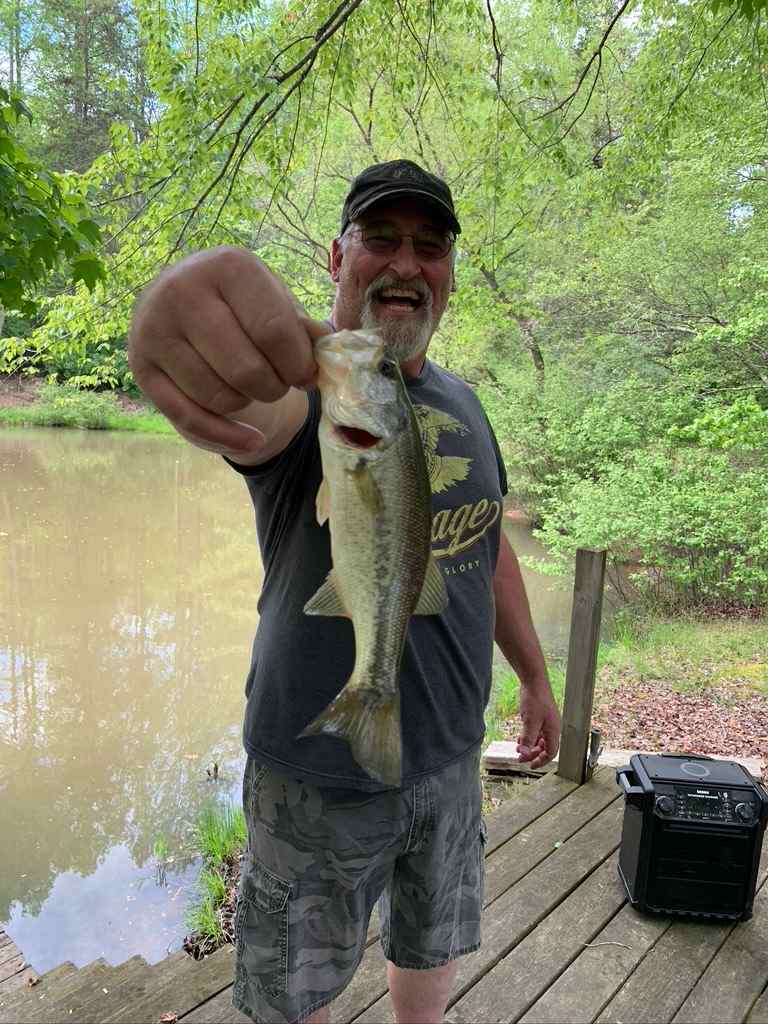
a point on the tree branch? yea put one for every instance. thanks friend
(301, 68)
(596, 56)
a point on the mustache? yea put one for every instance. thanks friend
(390, 280)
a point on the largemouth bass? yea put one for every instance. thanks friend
(376, 497)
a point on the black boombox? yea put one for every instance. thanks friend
(692, 835)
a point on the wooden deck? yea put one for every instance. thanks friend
(560, 944)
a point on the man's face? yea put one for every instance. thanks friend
(403, 294)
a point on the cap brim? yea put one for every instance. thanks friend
(388, 193)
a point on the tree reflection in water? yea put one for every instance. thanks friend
(129, 576)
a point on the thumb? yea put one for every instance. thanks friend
(527, 739)
(315, 328)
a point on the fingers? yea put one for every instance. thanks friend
(315, 330)
(206, 430)
(536, 752)
(268, 316)
(215, 333)
(220, 344)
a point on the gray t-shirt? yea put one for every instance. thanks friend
(300, 662)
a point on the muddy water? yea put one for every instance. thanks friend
(128, 585)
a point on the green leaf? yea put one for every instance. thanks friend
(88, 269)
(91, 230)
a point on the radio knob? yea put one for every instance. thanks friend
(745, 812)
(665, 804)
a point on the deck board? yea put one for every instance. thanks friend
(517, 981)
(759, 1012)
(581, 992)
(661, 983)
(671, 970)
(735, 977)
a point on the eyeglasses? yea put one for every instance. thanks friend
(429, 243)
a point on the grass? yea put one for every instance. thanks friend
(203, 916)
(61, 405)
(686, 653)
(689, 653)
(505, 699)
(220, 837)
(221, 833)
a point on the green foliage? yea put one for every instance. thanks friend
(69, 404)
(683, 527)
(749, 9)
(43, 414)
(88, 74)
(741, 425)
(66, 405)
(43, 220)
(221, 836)
(160, 848)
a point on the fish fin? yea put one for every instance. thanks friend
(323, 501)
(327, 599)
(433, 598)
(370, 722)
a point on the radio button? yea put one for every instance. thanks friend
(665, 805)
(745, 812)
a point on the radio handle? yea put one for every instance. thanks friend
(633, 793)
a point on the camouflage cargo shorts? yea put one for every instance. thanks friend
(318, 860)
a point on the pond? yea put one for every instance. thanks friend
(129, 576)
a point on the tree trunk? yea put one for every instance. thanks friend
(525, 324)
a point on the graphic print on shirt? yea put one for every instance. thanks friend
(454, 529)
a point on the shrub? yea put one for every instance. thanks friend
(683, 527)
(69, 406)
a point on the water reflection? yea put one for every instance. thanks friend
(551, 597)
(128, 588)
(129, 577)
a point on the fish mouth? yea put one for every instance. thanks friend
(355, 437)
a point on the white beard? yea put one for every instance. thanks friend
(404, 339)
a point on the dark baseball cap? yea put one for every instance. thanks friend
(397, 178)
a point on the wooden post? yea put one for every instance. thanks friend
(582, 661)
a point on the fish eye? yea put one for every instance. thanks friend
(388, 369)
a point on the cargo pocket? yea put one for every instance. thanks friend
(261, 933)
(481, 854)
(253, 776)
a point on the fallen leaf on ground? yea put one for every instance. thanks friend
(168, 1018)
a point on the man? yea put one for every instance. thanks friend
(223, 350)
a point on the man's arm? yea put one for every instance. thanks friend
(516, 636)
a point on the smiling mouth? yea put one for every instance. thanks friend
(400, 298)
(356, 437)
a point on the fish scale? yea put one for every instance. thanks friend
(377, 501)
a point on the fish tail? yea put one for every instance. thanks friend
(370, 722)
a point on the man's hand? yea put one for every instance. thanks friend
(540, 738)
(212, 335)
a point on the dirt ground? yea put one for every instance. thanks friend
(18, 391)
(652, 715)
